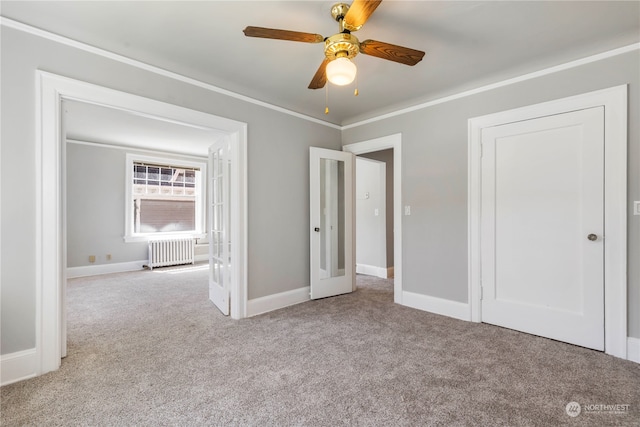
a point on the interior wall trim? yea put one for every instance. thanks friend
(371, 270)
(394, 142)
(18, 366)
(131, 148)
(486, 88)
(10, 23)
(201, 257)
(633, 349)
(444, 307)
(272, 302)
(50, 214)
(95, 270)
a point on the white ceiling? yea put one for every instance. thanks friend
(467, 43)
(94, 123)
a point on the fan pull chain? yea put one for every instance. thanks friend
(326, 98)
(355, 92)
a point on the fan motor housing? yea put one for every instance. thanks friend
(341, 45)
(339, 10)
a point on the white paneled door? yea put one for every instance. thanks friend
(542, 226)
(332, 222)
(219, 224)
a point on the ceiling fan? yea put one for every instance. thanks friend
(340, 48)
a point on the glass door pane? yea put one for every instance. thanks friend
(332, 222)
(332, 219)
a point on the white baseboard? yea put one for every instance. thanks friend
(457, 310)
(371, 270)
(201, 252)
(94, 270)
(18, 366)
(633, 349)
(276, 301)
(201, 257)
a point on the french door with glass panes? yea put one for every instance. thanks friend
(220, 224)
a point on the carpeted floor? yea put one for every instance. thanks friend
(149, 349)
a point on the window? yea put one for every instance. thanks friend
(164, 196)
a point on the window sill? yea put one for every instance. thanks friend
(156, 236)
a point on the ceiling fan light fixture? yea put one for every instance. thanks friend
(341, 48)
(341, 71)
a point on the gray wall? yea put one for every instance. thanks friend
(434, 172)
(278, 174)
(95, 205)
(370, 228)
(386, 156)
(434, 149)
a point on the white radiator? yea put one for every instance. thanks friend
(165, 252)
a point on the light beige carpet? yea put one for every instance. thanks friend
(149, 349)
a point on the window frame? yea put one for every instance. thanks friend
(200, 189)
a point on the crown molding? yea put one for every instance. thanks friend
(524, 77)
(10, 23)
(207, 86)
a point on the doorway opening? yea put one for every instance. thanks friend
(374, 214)
(124, 185)
(389, 148)
(50, 262)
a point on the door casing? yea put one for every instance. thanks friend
(394, 142)
(614, 101)
(50, 230)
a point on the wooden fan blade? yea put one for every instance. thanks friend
(294, 36)
(391, 52)
(320, 78)
(359, 12)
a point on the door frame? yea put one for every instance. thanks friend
(50, 228)
(615, 202)
(381, 235)
(383, 143)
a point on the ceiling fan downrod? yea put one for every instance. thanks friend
(343, 44)
(339, 11)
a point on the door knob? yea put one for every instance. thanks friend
(592, 237)
(317, 229)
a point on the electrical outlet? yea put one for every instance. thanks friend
(407, 210)
(636, 208)
(92, 258)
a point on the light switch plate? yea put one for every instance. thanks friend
(636, 208)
